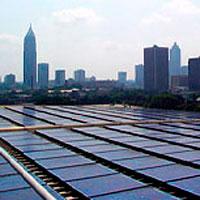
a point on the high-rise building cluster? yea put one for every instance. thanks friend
(37, 76)
(161, 70)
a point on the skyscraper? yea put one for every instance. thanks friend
(122, 77)
(156, 67)
(43, 75)
(79, 75)
(139, 76)
(194, 74)
(60, 78)
(30, 60)
(175, 60)
(10, 80)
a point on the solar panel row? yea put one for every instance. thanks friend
(110, 162)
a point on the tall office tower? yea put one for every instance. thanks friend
(156, 69)
(10, 80)
(60, 78)
(79, 75)
(139, 76)
(30, 60)
(122, 77)
(43, 75)
(194, 74)
(175, 60)
(184, 70)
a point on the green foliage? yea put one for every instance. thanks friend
(166, 101)
(99, 96)
(45, 99)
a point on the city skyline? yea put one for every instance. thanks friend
(31, 69)
(31, 76)
(113, 41)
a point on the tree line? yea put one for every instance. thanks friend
(129, 97)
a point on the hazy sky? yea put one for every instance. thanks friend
(101, 36)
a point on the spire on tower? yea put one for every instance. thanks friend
(30, 31)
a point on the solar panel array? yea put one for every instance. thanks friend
(101, 152)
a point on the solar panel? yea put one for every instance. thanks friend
(147, 193)
(142, 163)
(102, 148)
(187, 156)
(82, 172)
(6, 170)
(61, 162)
(101, 132)
(50, 154)
(127, 139)
(71, 139)
(121, 154)
(147, 143)
(14, 182)
(20, 137)
(168, 149)
(34, 148)
(171, 172)
(105, 185)
(21, 194)
(102, 162)
(30, 141)
(196, 144)
(197, 162)
(2, 160)
(87, 143)
(13, 134)
(191, 185)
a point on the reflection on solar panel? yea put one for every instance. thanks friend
(100, 152)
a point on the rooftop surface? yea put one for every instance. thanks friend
(99, 152)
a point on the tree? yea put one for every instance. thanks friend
(166, 101)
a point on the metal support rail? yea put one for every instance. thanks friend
(39, 188)
(69, 126)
